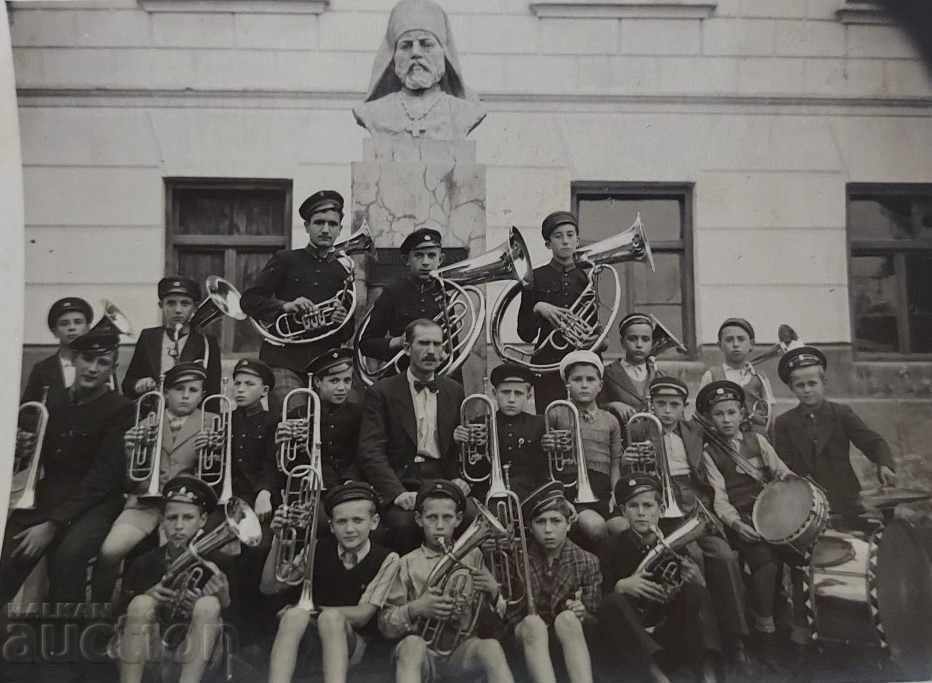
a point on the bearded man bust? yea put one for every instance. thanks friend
(416, 88)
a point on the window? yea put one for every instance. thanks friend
(890, 268)
(604, 209)
(228, 228)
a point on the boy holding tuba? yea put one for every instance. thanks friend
(567, 587)
(148, 604)
(411, 602)
(679, 614)
(351, 575)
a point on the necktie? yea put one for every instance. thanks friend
(349, 559)
(431, 386)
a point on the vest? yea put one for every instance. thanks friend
(337, 586)
(742, 490)
(753, 390)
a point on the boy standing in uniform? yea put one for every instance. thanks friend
(438, 511)
(159, 349)
(68, 319)
(567, 587)
(296, 281)
(627, 379)
(351, 577)
(814, 438)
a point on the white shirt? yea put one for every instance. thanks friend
(425, 416)
(636, 372)
(167, 361)
(676, 454)
(67, 371)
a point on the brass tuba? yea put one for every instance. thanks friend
(304, 485)
(455, 580)
(215, 460)
(189, 570)
(584, 330)
(463, 306)
(146, 456)
(27, 465)
(318, 324)
(568, 453)
(655, 461)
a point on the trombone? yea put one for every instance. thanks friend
(215, 459)
(568, 450)
(146, 455)
(656, 463)
(27, 495)
(304, 485)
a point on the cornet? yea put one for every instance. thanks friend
(656, 464)
(319, 324)
(146, 455)
(215, 460)
(27, 493)
(463, 305)
(568, 454)
(583, 329)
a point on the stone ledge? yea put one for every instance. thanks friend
(624, 9)
(237, 6)
(862, 12)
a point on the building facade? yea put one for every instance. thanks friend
(776, 150)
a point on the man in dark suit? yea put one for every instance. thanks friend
(68, 319)
(406, 435)
(814, 438)
(159, 349)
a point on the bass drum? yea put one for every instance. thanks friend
(873, 587)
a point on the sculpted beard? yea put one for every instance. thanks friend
(418, 73)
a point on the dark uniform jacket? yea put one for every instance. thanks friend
(339, 432)
(147, 359)
(519, 446)
(620, 556)
(290, 274)
(254, 454)
(817, 444)
(46, 373)
(388, 433)
(400, 303)
(83, 458)
(553, 284)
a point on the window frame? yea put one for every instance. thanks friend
(897, 249)
(682, 192)
(230, 244)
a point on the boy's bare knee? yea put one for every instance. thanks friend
(141, 608)
(490, 651)
(331, 621)
(412, 650)
(531, 629)
(206, 608)
(567, 625)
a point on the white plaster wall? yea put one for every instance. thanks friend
(768, 108)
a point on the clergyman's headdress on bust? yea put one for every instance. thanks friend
(409, 15)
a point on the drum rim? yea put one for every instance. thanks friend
(818, 510)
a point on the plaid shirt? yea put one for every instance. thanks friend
(554, 583)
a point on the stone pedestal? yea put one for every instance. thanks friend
(407, 183)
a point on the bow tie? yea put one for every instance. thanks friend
(431, 386)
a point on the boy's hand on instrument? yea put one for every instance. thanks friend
(886, 476)
(406, 500)
(299, 305)
(461, 434)
(551, 313)
(432, 604)
(218, 583)
(280, 518)
(34, 540)
(548, 442)
(691, 572)
(576, 606)
(283, 432)
(746, 532)
(201, 440)
(484, 581)
(161, 593)
(263, 506)
(144, 385)
(639, 586)
(339, 313)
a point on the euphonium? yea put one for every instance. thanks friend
(215, 460)
(507, 560)
(663, 563)
(222, 299)
(455, 580)
(28, 463)
(319, 324)
(146, 455)
(582, 329)
(477, 413)
(463, 304)
(189, 571)
(301, 496)
(568, 453)
(656, 463)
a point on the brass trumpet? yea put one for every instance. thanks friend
(583, 329)
(146, 455)
(463, 305)
(455, 580)
(215, 460)
(656, 464)
(26, 500)
(319, 324)
(568, 452)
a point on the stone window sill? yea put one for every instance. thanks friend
(622, 9)
(237, 6)
(862, 12)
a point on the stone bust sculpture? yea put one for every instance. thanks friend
(416, 87)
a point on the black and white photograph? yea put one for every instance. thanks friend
(507, 341)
